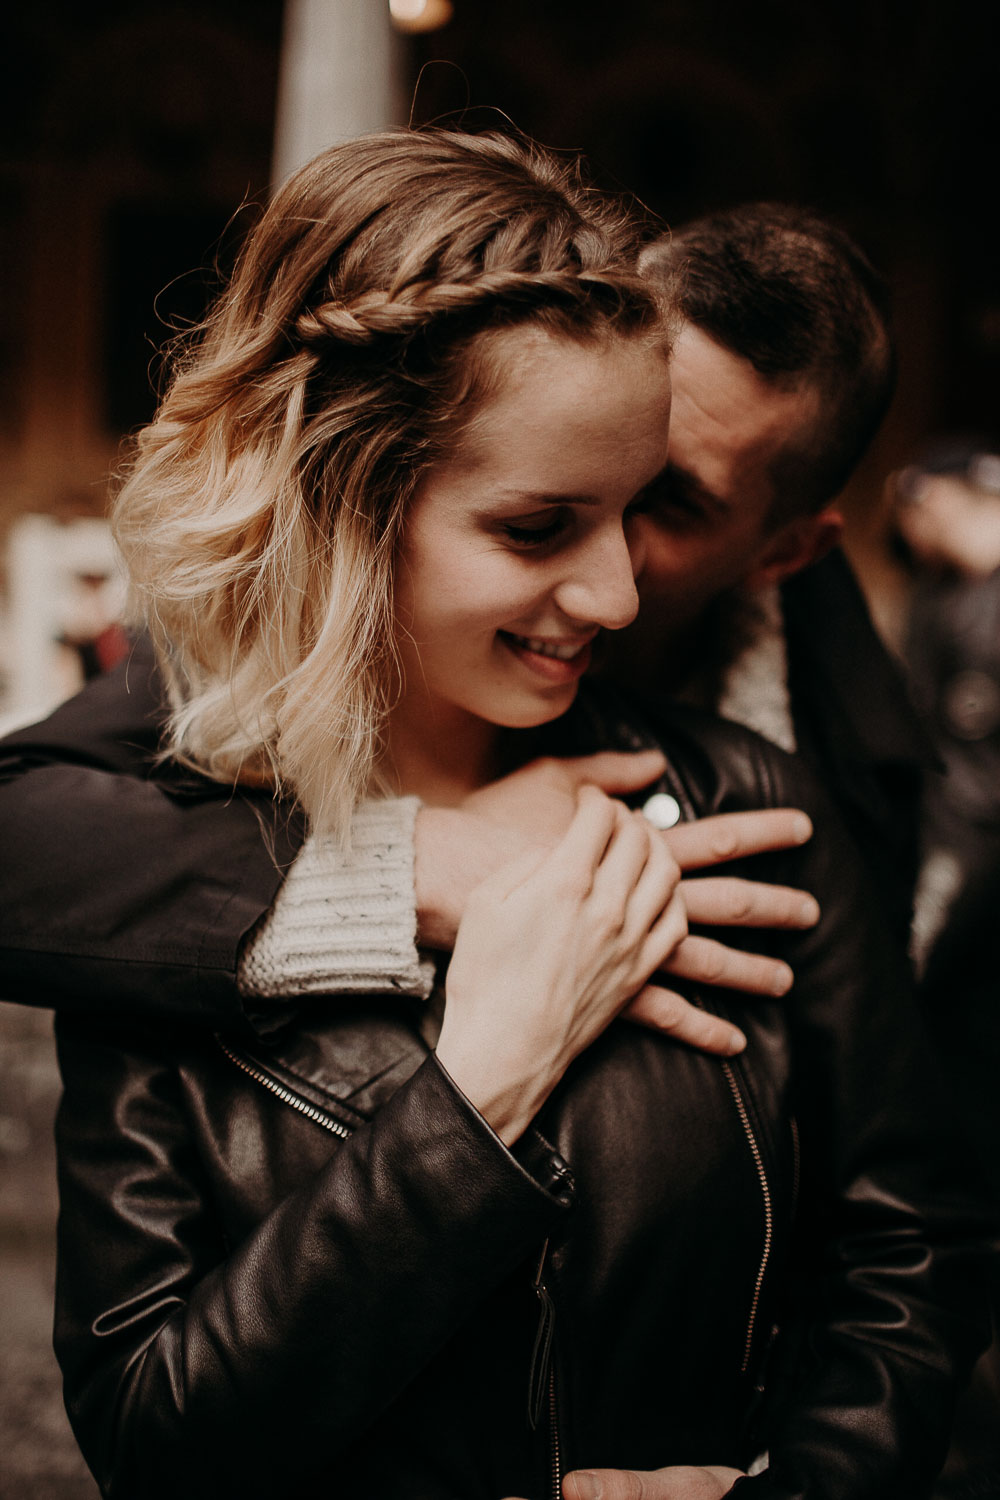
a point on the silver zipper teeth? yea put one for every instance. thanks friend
(286, 1096)
(554, 1438)
(768, 1214)
(796, 1161)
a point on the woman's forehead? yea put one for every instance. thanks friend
(563, 419)
(537, 381)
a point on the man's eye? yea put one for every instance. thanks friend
(531, 533)
(668, 505)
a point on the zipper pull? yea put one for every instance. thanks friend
(541, 1354)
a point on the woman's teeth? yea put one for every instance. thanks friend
(561, 650)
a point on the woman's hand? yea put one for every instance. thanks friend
(549, 951)
(679, 1482)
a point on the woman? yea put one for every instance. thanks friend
(386, 508)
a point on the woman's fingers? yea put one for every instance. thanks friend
(667, 1012)
(574, 860)
(727, 901)
(712, 841)
(705, 961)
(622, 871)
(657, 887)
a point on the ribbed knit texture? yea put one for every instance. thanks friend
(344, 922)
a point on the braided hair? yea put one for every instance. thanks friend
(263, 506)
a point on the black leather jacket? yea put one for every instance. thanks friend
(309, 1266)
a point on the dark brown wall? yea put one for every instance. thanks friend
(131, 133)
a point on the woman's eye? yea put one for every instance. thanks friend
(531, 533)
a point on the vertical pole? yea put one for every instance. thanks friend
(339, 77)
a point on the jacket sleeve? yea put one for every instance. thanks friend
(893, 1233)
(124, 888)
(185, 1360)
(128, 887)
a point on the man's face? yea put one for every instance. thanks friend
(707, 527)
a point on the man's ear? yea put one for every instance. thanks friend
(793, 546)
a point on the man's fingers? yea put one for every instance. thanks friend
(726, 901)
(712, 841)
(665, 1011)
(616, 771)
(707, 962)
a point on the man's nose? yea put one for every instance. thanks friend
(600, 587)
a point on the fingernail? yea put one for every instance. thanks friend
(802, 829)
(809, 912)
(783, 980)
(588, 1486)
(737, 1042)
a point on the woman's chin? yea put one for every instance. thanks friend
(532, 711)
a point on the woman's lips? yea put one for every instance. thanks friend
(556, 661)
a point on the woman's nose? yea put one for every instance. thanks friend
(600, 587)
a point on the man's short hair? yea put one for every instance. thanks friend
(797, 298)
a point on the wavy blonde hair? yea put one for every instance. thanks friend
(262, 510)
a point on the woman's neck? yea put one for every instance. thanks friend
(439, 756)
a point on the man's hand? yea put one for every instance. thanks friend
(679, 1482)
(727, 901)
(458, 848)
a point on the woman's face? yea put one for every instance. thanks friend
(520, 548)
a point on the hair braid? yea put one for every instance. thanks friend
(380, 315)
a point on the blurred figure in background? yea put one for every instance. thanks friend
(947, 515)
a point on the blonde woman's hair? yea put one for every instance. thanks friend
(261, 513)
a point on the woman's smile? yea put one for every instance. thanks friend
(554, 660)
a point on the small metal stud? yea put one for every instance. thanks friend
(662, 810)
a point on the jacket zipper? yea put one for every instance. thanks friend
(555, 1453)
(796, 1162)
(542, 1379)
(768, 1210)
(318, 1116)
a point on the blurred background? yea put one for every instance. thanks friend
(134, 138)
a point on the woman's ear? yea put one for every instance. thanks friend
(793, 546)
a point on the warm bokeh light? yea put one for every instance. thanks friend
(420, 15)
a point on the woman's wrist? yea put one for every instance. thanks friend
(508, 1097)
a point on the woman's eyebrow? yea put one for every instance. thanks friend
(541, 498)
